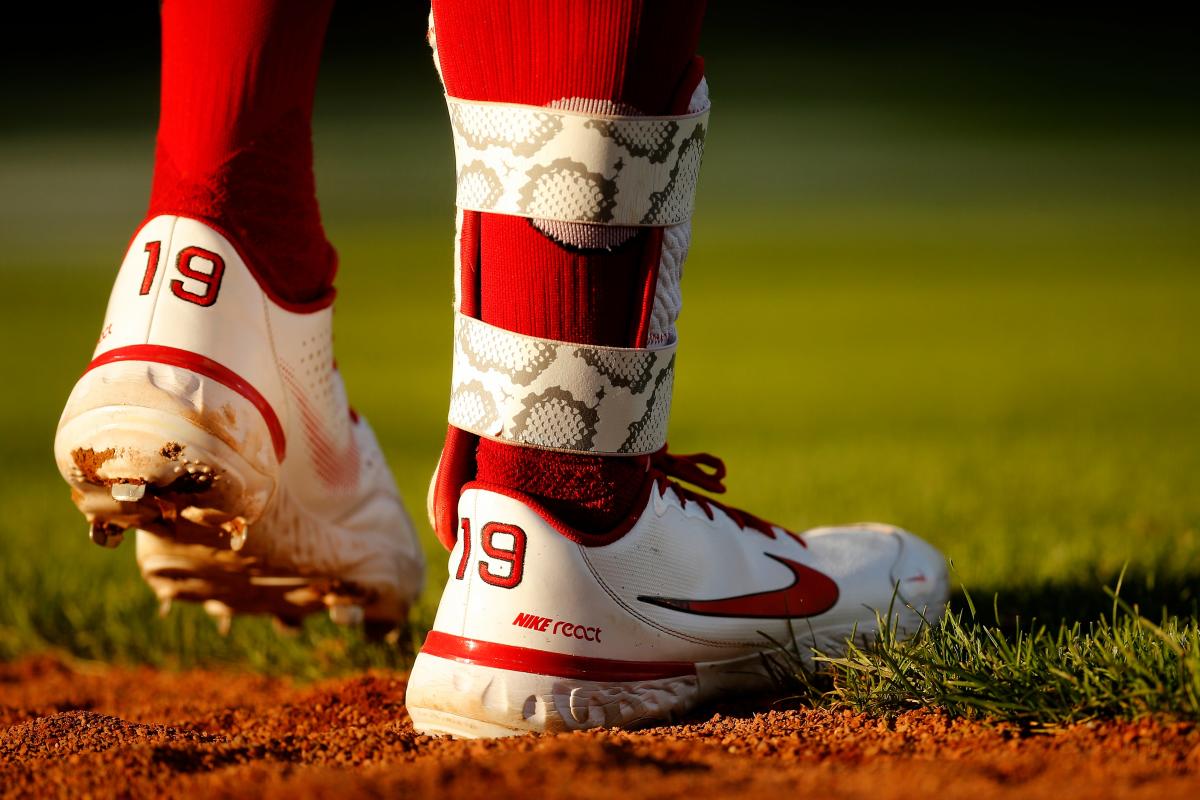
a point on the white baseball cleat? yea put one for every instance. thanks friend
(212, 418)
(541, 629)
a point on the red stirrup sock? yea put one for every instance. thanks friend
(567, 281)
(235, 133)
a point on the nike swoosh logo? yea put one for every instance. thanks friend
(810, 593)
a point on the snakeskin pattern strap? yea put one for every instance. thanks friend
(546, 163)
(558, 395)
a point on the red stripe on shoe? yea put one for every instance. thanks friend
(203, 365)
(541, 662)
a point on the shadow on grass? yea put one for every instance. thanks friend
(1083, 600)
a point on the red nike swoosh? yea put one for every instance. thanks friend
(810, 593)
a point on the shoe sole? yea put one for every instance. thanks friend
(169, 443)
(449, 697)
(459, 694)
(470, 701)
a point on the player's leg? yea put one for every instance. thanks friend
(234, 146)
(587, 586)
(212, 416)
(563, 280)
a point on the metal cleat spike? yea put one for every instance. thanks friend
(98, 533)
(237, 530)
(128, 492)
(346, 613)
(105, 534)
(221, 614)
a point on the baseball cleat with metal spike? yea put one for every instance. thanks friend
(211, 407)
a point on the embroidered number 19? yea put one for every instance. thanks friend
(210, 280)
(504, 549)
(511, 553)
(153, 250)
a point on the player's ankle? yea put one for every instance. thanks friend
(234, 143)
(266, 205)
(590, 493)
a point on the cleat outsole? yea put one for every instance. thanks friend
(127, 492)
(238, 531)
(222, 615)
(181, 441)
(346, 614)
(105, 534)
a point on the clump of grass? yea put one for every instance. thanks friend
(1120, 665)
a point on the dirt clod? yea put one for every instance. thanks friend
(140, 732)
(89, 462)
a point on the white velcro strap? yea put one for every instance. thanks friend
(545, 163)
(558, 395)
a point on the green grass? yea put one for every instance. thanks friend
(979, 325)
(1039, 676)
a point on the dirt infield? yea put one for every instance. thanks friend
(104, 732)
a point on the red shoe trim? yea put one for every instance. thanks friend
(540, 662)
(455, 467)
(205, 366)
(570, 532)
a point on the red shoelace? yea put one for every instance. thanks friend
(704, 471)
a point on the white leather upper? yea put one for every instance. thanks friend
(674, 550)
(336, 510)
(235, 331)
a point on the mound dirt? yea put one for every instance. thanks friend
(70, 729)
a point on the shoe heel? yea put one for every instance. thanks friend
(447, 697)
(160, 448)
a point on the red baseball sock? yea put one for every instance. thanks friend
(577, 285)
(235, 133)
